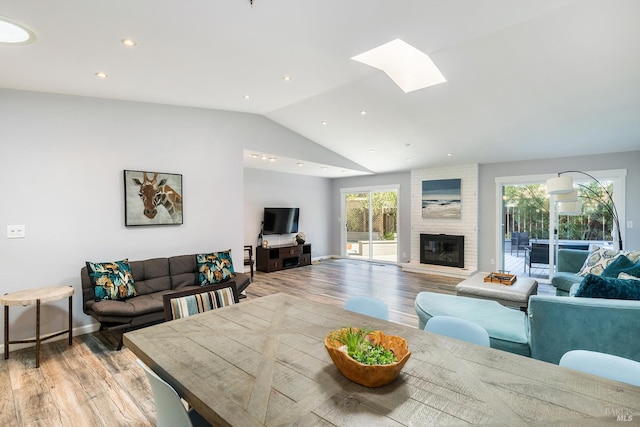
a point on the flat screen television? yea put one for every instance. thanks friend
(280, 220)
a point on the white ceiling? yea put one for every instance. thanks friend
(526, 79)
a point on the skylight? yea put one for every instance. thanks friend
(13, 33)
(408, 67)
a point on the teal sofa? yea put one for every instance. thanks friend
(570, 261)
(553, 325)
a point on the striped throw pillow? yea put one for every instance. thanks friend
(224, 297)
(200, 303)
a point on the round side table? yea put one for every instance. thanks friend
(30, 297)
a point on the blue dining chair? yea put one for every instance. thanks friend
(461, 329)
(368, 305)
(604, 365)
(170, 411)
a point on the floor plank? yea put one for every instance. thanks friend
(90, 383)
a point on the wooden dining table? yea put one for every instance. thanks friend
(263, 362)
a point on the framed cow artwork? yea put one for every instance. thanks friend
(152, 198)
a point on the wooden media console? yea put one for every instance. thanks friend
(279, 257)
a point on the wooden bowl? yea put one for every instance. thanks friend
(370, 375)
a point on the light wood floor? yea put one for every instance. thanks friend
(92, 384)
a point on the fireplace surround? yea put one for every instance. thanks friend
(442, 249)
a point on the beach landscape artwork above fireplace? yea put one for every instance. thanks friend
(442, 198)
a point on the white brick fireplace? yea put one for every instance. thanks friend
(466, 226)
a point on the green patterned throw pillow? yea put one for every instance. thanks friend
(598, 259)
(112, 280)
(214, 268)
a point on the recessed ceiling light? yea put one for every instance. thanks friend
(129, 42)
(101, 75)
(264, 157)
(324, 168)
(323, 123)
(363, 112)
(408, 159)
(13, 33)
(300, 164)
(286, 78)
(449, 154)
(371, 150)
(272, 159)
(255, 156)
(407, 66)
(247, 97)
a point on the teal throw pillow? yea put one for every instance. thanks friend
(214, 268)
(593, 286)
(112, 280)
(622, 264)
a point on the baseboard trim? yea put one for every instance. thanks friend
(320, 258)
(438, 270)
(80, 330)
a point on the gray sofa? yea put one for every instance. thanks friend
(153, 278)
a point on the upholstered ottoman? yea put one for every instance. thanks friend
(516, 295)
(508, 328)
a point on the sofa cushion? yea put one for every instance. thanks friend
(574, 289)
(563, 281)
(507, 327)
(132, 307)
(184, 271)
(151, 275)
(622, 264)
(598, 259)
(213, 268)
(593, 286)
(112, 280)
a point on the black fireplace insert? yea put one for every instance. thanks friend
(442, 249)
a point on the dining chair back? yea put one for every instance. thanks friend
(604, 365)
(248, 258)
(170, 411)
(368, 305)
(461, 329)
(189, 302)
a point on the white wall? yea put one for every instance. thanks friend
(275, 189)
(61, 163)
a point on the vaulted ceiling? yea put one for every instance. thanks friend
(526, 79)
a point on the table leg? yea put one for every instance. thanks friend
(6, 332)
(70, 319)
(37, 333)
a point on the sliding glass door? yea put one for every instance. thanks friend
(370, 224)
(530, 221)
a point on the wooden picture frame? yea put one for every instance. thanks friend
(152, 198)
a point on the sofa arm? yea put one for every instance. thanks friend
(560, 324)
(571, 260)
